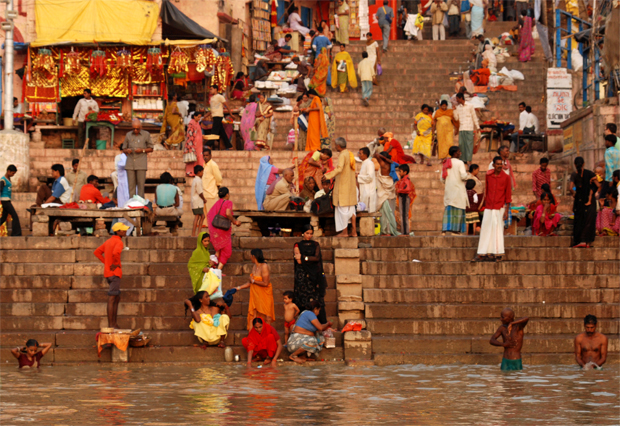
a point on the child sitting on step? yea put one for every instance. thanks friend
(29, 356)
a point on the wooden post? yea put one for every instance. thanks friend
(78, 168)
(296, 178)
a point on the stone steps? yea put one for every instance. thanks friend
(540, 343)
(487, 327)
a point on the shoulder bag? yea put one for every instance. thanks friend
(221, 222)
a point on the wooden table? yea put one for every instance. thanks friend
(149, 185)
(134, 216)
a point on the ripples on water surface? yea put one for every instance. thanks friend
(320, 394)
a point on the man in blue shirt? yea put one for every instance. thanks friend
(385, 16)
(5, 199)
(319, 42)
(61, 190)
(612, 157)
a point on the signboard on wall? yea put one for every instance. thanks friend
(559, 106)
(559, 78)
(559, 96)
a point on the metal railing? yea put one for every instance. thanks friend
(590, 52)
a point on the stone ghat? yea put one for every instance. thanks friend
(440, 310)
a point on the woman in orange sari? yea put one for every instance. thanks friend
(261, 293)
(315, 165)
(317, 128)
(321, 68)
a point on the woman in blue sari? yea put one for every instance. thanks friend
(267, 174)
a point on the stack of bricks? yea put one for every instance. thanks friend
(349, 284)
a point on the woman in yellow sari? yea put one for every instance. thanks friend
(342, 32)
(343, 70)
(443, 122)
(424, 140)
(172, 118)
(317, 128)
(321, 68)
(264, 113)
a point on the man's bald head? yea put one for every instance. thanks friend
(381, 131)
(288, 175)
(507, 315)
(136, 125)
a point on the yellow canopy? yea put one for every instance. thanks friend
(89, 21)
(189, 43)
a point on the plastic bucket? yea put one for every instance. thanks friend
(67, 121)
(101, 144)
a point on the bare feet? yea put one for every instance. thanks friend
(344, 233)
(267, 361)
(297, 359)
(222, 344)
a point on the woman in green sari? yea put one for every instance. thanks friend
(199, 262)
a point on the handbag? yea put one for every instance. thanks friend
(302, 121)
(190, 157)
(221, 222)
(322, 205)
(388, 18)
(379, 69)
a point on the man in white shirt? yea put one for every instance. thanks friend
(366, 181)
(366, 71)
(217, 103)
(468, 124)
(295, 22)
(59, 193)
(455, 196)
(85, 106)
(527, 120)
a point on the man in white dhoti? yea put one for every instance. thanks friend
(367, 182)
(344, 196)
(497, 199)
(122, 188)
(386, 195)
(454, 175)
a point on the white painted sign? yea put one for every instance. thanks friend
(559, 78)
(559, 106)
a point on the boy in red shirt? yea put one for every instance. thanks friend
(90, 191)
(405, 194)
(109, 253)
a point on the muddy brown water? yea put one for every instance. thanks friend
(308, 395)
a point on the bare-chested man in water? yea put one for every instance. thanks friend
(512, 336)
(590, 346)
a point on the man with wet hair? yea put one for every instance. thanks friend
(590, 346)
(512, 336)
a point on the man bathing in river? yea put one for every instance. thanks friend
(590, 346)
(512, 336)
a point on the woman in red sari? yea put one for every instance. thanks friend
(607, 222)
(546, 220)
(321, 68)
(193, 144)
(526, 45)
(222, 239)
(315, 165)
(263, 343)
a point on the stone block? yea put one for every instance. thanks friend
(244, 219)
(346, 266)
(350, 306)
(346, 290)
(349, 299)
(346, 253)
(358, 336)
(367, 226)
(349, 315)
(120, 356)
(357, 350)
(40, 218)
(347, 279)
(64, 226)
(40, 229)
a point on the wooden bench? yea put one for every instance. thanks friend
(46, 215)
(366, 221)
(540, 137)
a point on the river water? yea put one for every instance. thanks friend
(309, 394)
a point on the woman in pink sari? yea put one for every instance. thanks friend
(221, 239)
(526, 46)
(193, 144)
(248, 120)
(546, 219)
